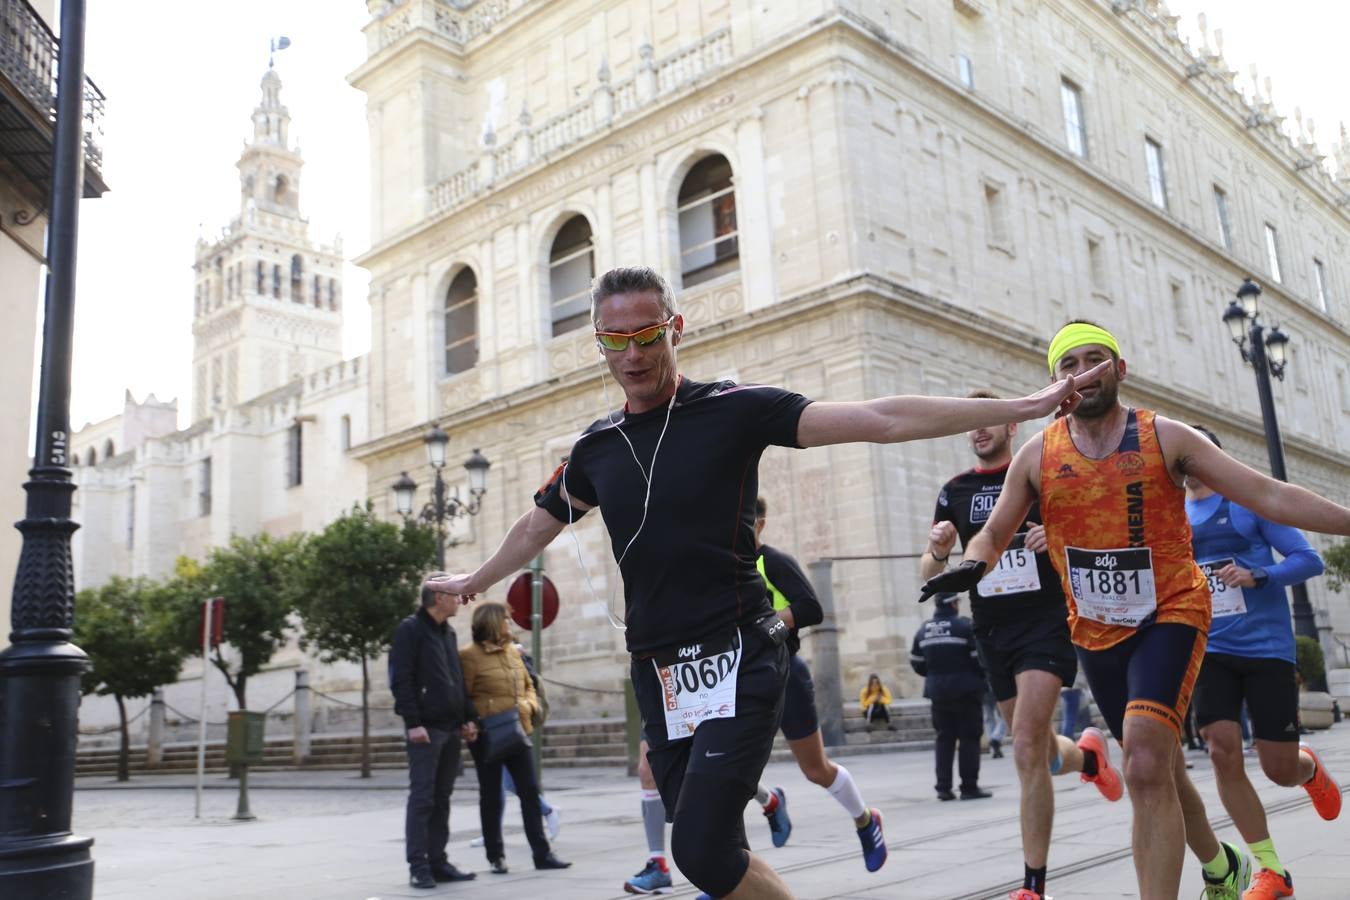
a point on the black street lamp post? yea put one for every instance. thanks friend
(1266, 353)
(441, 508)
(40, 671)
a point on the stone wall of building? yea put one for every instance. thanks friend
(900, 231)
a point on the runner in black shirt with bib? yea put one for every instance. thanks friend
(1022, 633)
(676, 475)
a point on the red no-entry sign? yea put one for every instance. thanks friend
(518, 600)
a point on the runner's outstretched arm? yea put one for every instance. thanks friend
(890, 420)
(1191, 453)
(1010, 511)
(527, 539)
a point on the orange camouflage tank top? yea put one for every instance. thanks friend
(1119, 537)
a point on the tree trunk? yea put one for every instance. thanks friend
(124, 754)
(365, 719)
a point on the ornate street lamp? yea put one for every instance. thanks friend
(1265, 351)
(442, 509)
(40, 671)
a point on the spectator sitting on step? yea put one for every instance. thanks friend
(874, 700)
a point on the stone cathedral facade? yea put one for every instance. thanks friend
(853, 198)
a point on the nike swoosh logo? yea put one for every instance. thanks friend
(711, 754)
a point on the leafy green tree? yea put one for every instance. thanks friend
(124, 626)
(256, 576)
(1337, 559)
(358, 579)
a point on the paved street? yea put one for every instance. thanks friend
(325, 835)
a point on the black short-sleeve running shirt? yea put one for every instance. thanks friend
(966, 501)
(784, 573)
(691, 571)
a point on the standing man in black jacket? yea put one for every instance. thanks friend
(430, 696)
(944, 653)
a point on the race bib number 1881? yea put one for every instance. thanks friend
(1114, 587)
(698, 682)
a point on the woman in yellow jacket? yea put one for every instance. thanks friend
(496, 679)
(874, 699)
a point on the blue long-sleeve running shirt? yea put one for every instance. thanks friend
(1222, 529)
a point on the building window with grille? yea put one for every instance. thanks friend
(571, 266)
(1225, 224)
(204, 488)
(461, 322)
(707, 213)
(1273, 252)
(1157, 179)
(1075, 127)
(1320, 285)
(295, 471)
(297, 279)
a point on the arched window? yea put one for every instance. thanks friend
(281, 190)
(91, 458)
(461, 322)
(346, 432)
(108, 449)
(707, 212)
(571, 266)
(297, 279)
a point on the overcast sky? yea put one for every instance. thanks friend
(182, 81)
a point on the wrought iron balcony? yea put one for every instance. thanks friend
(28, 104)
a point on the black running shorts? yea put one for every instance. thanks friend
(1041, 643)
(1267, 685)
(735, 748)
(799, 702)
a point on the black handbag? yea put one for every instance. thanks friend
(502, 731)
(503, 735)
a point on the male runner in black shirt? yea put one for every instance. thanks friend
(794, 599)
(1022, 633)
(676, 474)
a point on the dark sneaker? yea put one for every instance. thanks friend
(780, 826)
(944, 794)
(498, 866)
(651, 880)
(446, 872)
(420, 876)
(873, 842)
(975, 793)
(550, 862)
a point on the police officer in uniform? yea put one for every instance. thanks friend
(944, 653)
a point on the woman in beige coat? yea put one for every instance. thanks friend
(496, 679)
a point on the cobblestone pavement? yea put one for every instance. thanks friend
(333, 835)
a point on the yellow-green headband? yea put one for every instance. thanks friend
(1075, 335)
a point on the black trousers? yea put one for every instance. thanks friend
(959, 719)
(878, 712)
(431, 778)
(521, 766)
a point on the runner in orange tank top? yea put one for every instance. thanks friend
(1125, 502)
(1109, 482)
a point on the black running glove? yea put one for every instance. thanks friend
(774, 628)
(954, 581)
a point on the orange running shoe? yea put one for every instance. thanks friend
(1269, 886)
(1026, 894)
(1107, 779)
(1322, 788)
